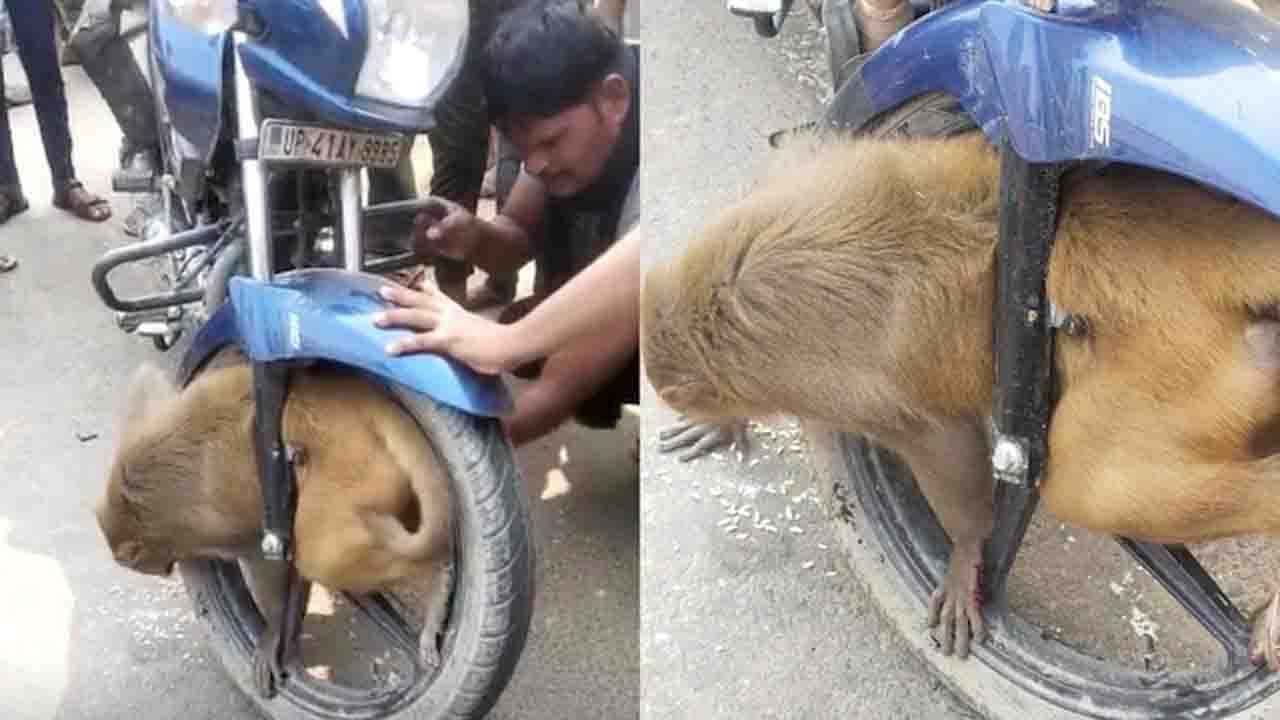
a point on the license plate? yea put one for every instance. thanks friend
(320, 145)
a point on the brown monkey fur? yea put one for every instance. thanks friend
(373, 503)
(856, 289)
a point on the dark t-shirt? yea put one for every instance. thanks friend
(580, 228)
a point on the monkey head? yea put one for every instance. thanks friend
(691, 332)
(128, 510)
(121, 520)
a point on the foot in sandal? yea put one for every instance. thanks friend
(73, 198)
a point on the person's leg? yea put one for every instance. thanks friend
(33, 30)
(110, 64)
(11, 200)
(9, 183)
(459, 146)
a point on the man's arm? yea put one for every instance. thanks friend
(504, 243)
(568, 378)
(605, 294)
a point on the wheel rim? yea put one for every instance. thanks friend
(917, 548)
(243, 623)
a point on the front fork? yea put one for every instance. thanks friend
(270, 380)
(1023, 355)
(275, 461)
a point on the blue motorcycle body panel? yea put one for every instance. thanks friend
(189, 65)
(1187, 86)
(307, 59)
(303, 57)
(327, 314)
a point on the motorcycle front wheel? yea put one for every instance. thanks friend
(490, 608)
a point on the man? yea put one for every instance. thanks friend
(565, 89)
(33, 30)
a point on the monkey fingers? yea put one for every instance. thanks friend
(956, 605)
(433, 620)
(1264, 646)
(703, 437)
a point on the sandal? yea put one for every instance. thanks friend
(83, 204)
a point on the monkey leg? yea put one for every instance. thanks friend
(278, 644)
(951, 466)
(433, 620)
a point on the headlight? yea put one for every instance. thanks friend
(413, 46)
(208, 16)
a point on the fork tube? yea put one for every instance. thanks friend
(1023, 354)
(352, 219)
(252, 173)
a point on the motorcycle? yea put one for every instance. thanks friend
(1184, 86)
(269, 112)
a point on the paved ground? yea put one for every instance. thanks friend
(750, 608)
(81, 639)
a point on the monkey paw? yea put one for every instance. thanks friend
(1264, 647)
(956, 605)
(428, 653)
(703, 437)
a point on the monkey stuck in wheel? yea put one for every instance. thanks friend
(856, 289)
(373, 501)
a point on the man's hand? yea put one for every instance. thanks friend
(446, 228)
(446, 328)
(704, 437)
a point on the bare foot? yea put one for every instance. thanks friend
(956, 605)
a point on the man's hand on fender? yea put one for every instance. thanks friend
(446, 328)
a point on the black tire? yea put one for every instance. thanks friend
(894, 546)
(843, 41)
(492, 601)
(767, 26)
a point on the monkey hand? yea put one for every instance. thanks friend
(1264, 647)
(703, 437)
(268, 673)
(956, 604)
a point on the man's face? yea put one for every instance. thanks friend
(568, 150)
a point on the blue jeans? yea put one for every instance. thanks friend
(33, 31)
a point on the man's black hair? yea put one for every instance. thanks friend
(545, 57)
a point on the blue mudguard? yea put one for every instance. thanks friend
(327, 314)
(1187, 86)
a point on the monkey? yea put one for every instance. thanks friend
(373, 502)
(856, 289)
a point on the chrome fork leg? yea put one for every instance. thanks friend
(252, 173)
(349, 191)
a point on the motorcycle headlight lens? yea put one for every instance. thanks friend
(413, 46)
(208, 16)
